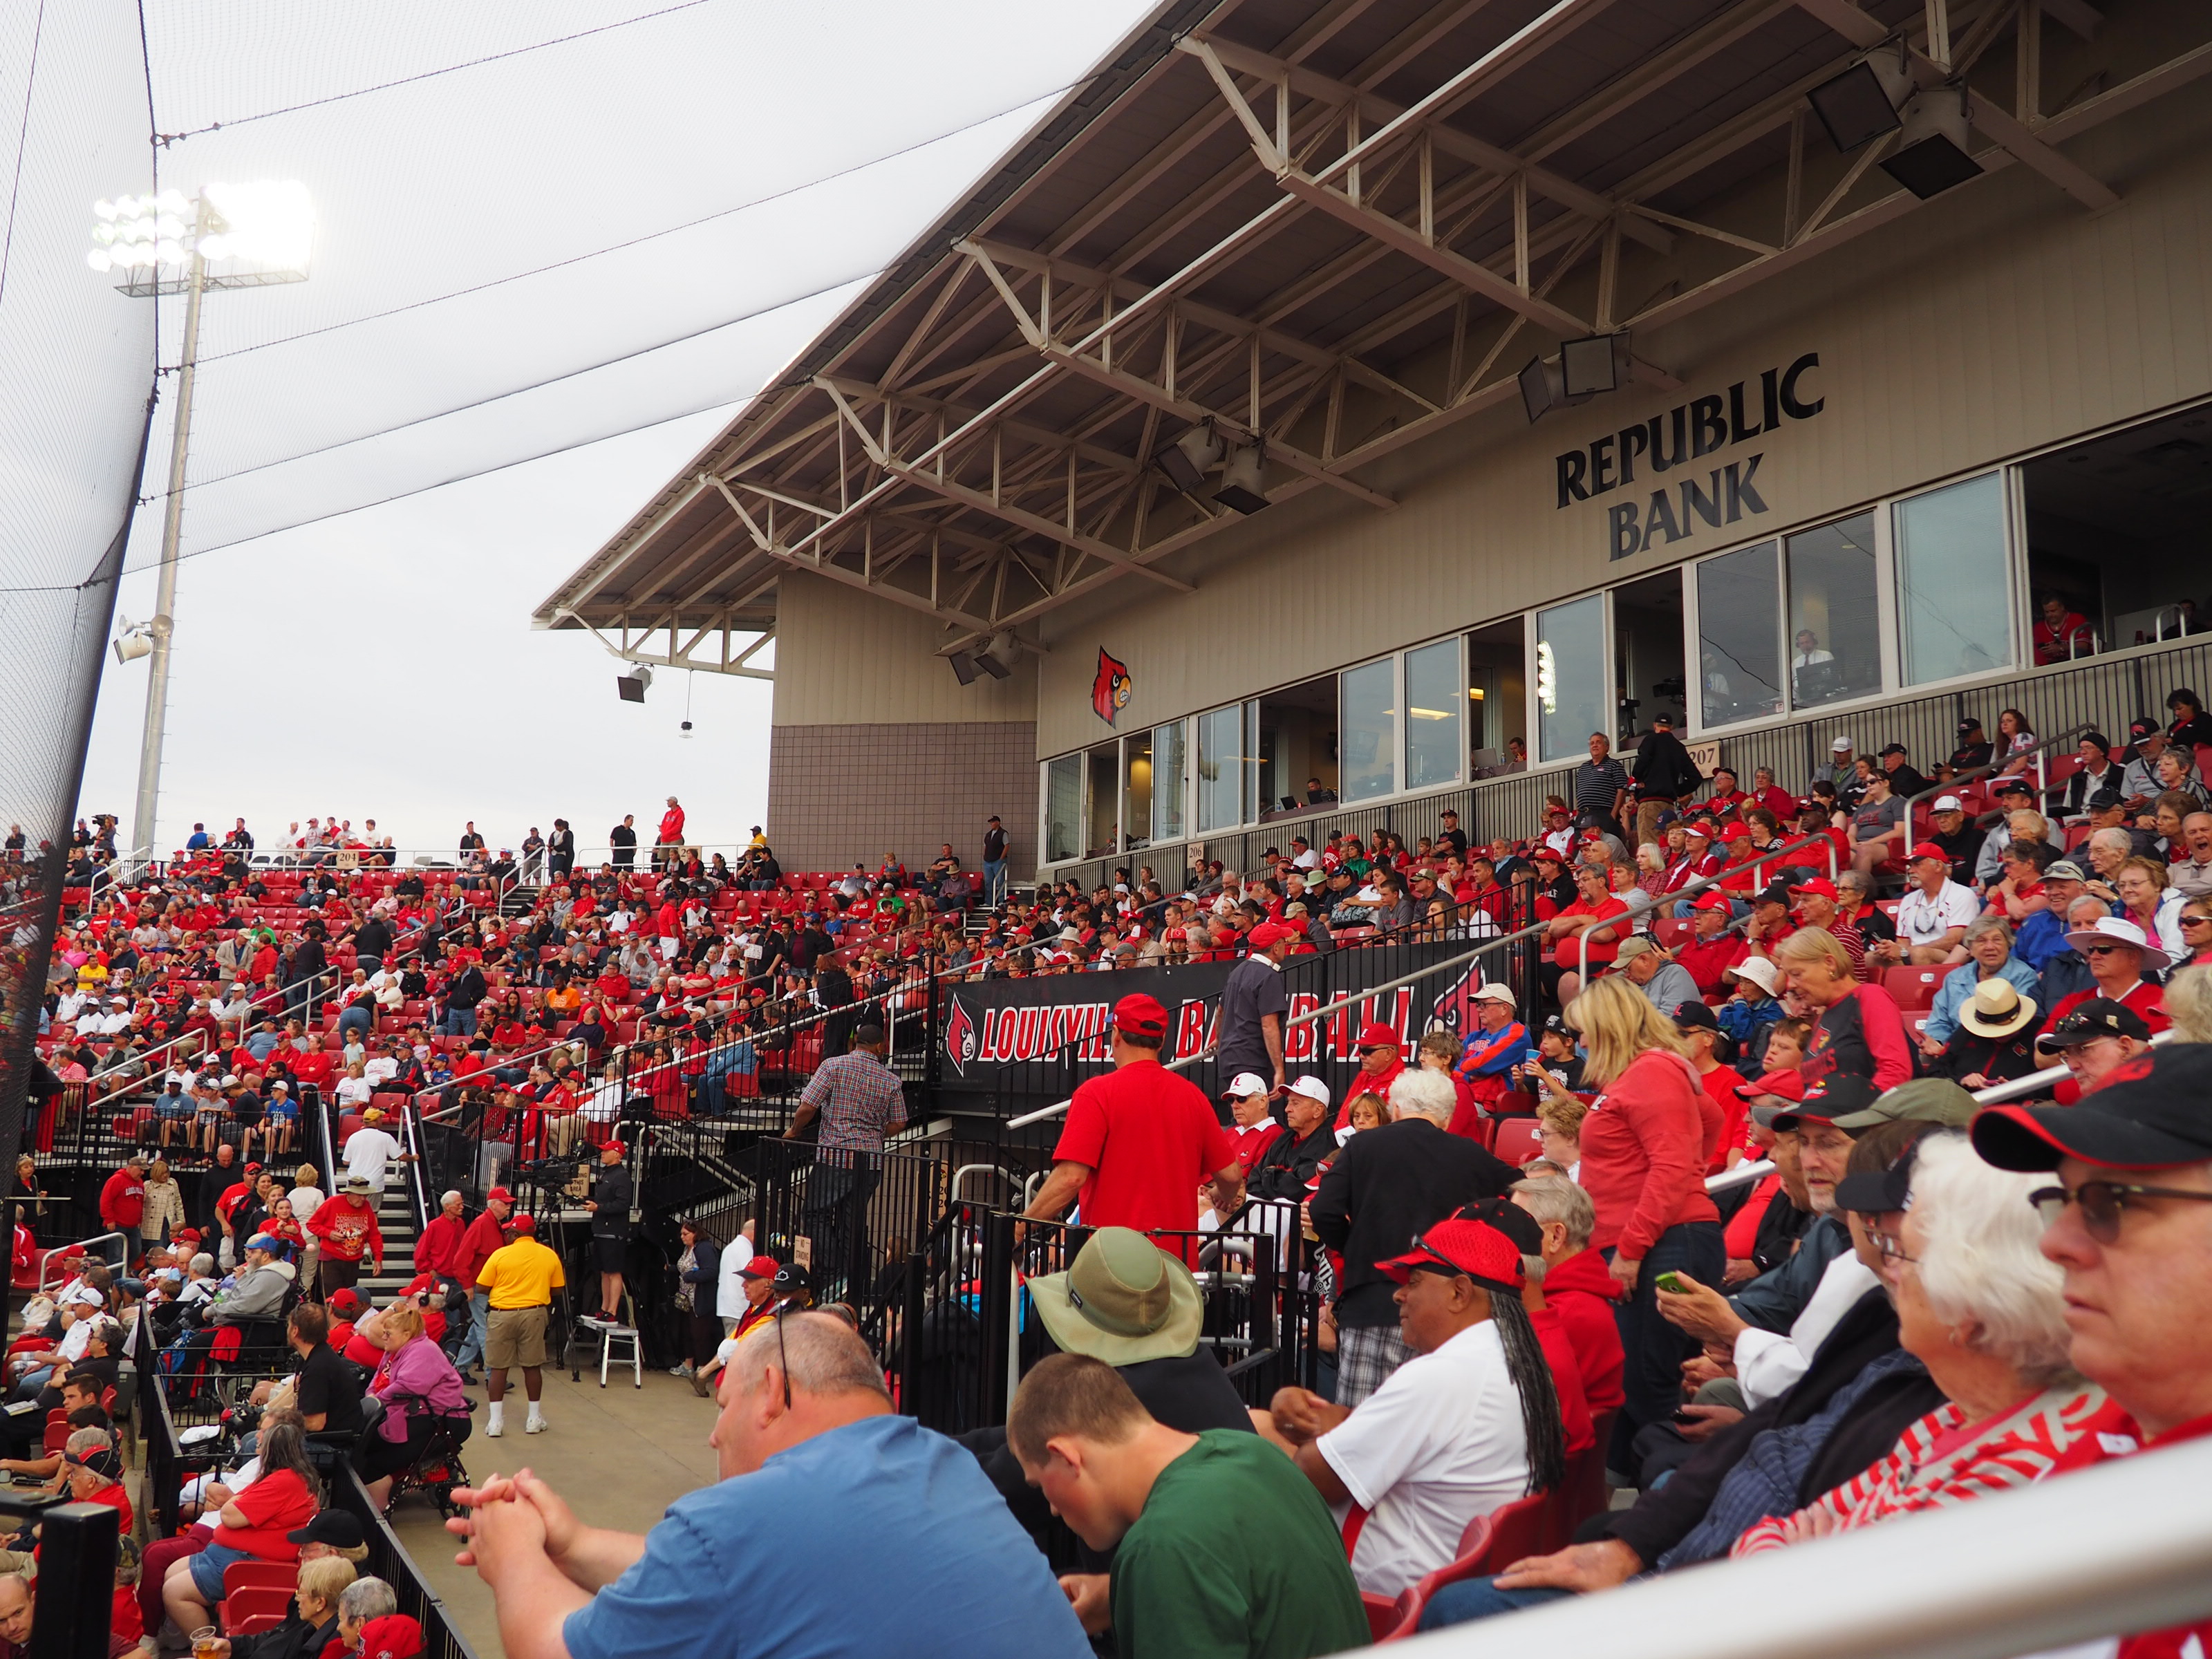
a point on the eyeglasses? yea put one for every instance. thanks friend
(2196, 921)
(2104, 950)
(2101, 1203)
(1889, 1249)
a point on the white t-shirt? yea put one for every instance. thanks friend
(1923, 920)
(1767, 1363)
(304, 1200)
(1439, 1444)
(729, 1289)
(355, 1091)
(367, 1150)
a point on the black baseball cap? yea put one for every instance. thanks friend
(2016, 785)
(1893, 749)
(1969, 725)
(1690, 1014)
(793, 1276)
(2143, 727)
(2150, 1114)
(1872, 1192)
(1838, 1095)
(2099, 1017)
(2103, 800)
(336, 1528)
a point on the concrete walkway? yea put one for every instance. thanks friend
(620, 1457)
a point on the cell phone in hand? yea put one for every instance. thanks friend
(1669, 1282)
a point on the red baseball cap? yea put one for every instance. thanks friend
(1929, 849)
(1711, 900)
(1788, 1084)
(1379, 1036)
(1268, 934)
(345, 1299)
(1819, 887)
(1474, 1248)
(524, 1223)
(1733, 831)
(1141, 1016)
(761, 1267)
(499, 1194)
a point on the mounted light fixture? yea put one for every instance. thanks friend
(965, 668)
(1244, 478)
(997, 659)
(1190, 458)
(1932, 154)
(1860, 105)
(1585, 368)
(630, 687)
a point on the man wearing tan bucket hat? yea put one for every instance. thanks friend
(1996, 1039)
(1127, 1302)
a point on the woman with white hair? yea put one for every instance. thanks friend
(1980, 1307)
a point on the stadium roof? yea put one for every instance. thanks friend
(1342, 227)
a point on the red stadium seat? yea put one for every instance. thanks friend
(1671, 930)
(1524, 1527)
(1517, 1141)
(1914, 989)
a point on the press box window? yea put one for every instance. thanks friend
(1432, 716)
(1063, 809)
(1571, 677)
(1369, 731)
(1835, 625)
(1740, 635)
(1952, 576)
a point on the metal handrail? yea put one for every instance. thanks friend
(2124, 1547)
(1686, 890)
(46, 1258)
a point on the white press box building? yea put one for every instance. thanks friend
(1394, 393)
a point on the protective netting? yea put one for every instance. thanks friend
(76, 372)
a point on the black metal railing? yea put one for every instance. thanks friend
(69, 1619)
(388, 1559)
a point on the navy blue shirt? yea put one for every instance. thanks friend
(743, 1568)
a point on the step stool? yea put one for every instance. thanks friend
(608, 1335)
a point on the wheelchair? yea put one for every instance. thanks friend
(436, 1469)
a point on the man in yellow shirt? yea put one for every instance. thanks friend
(520, 1278)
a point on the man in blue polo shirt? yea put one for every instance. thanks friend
(815, 1468)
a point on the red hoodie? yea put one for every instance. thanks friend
(1582, 1290)
(1643, 1162)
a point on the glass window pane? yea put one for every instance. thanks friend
(1104, 766)
(1369, 731)
(1835, 633)
(1063, 808)
(1740, 634)
(1951, 579)
(1220, 770)
(1571, 689)
(1167, 781)
(1432, 717)
(1252, 801)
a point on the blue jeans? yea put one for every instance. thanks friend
(995, 882)
(460, 1022)
(356, 1019)
(1652, 1350)
(471, 1348)
(1480, 1598)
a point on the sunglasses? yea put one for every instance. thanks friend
(2104, 950)
(2102, 1202)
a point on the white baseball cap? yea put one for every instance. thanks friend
(1312, 1088)
(1840, 746)
(1496, 993)
(1949, 803)
(1247, 1083)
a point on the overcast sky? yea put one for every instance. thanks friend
(379, 663)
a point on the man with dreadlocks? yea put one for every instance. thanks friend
(1466, 1425)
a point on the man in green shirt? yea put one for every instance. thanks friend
(1222, 1550)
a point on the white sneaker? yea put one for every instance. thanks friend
(535, 1424)
(494, 1431)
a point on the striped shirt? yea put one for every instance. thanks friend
(1943, 1460)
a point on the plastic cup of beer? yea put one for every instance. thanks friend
(207, 1643)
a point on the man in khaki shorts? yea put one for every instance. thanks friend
(520, 1278)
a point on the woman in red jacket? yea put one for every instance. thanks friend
(1858, 1029)
(1644, 1166)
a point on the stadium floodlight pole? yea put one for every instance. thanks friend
(260, 233)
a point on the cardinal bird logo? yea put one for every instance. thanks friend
(959, 1037)
(1455, 1007)
(1109, 690)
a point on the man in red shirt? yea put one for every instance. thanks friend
(671, 830)
(484, 1234)
(346, 1222)
(439, 1250)
(1713, 947)
(122, 1203)
(1140, 1140)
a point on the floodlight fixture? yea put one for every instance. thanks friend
(1594, 363)
(965, 668)
(1932, 151)
(1244, 478)
(630, 686)
(1190, 456)
(1861, 105)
